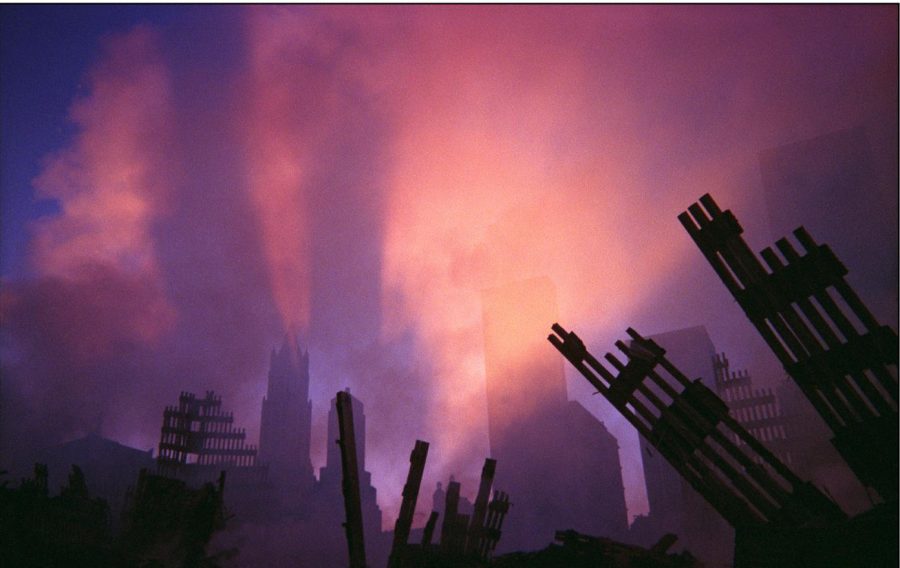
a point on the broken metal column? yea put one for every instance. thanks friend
(451, 507)
(410, 496)
(497, 509)
(481, 506)
(350, 469)
(428, 533)
(844, 362)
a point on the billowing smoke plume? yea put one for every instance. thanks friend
(359, 175)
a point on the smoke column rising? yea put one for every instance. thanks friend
(360, 174)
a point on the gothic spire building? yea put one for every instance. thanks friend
(285, 429)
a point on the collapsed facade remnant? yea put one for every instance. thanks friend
(493, 526)
(825, 337)
(352, 506)
(841, 359)
(755, 409)
(450, 528)
(198, 441)
(198, 436)
(428, 533)
(691, 427)
(844, 191)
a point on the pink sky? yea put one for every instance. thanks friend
(465, 147)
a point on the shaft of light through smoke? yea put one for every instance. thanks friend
(521, 141)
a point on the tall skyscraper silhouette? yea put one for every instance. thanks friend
(558, 463)
(843, 190)
(327, 507)
(286, 423)
(674, 505)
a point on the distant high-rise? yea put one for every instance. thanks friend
(109, 467)
(842, 187)
(525, 379)
(329, 497)
(674, 505)
(286, 424)
(844, 194)
(558, 463)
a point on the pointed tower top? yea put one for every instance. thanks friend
(290, 353)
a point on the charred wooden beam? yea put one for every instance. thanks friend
(844, 362)
(410, 497)
(691, 427)
(350, 485)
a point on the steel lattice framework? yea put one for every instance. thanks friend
(825, 337)
(690, 426)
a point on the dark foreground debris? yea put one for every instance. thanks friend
(167, 525)
(69, 529)
(465, 540)
(576, 550)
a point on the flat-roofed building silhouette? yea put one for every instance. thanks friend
(559, 463)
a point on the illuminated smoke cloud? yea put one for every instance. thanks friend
(108, 182)
(361, 174)
(99, 298)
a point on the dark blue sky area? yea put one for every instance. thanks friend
(44, 54)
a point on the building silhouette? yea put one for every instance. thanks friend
(845, 193)
(558, 463)
(842, 187)
(675, 507)
(330, 475)
(439, 499)
(325, 504)
(286, 423)
(109, 468)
